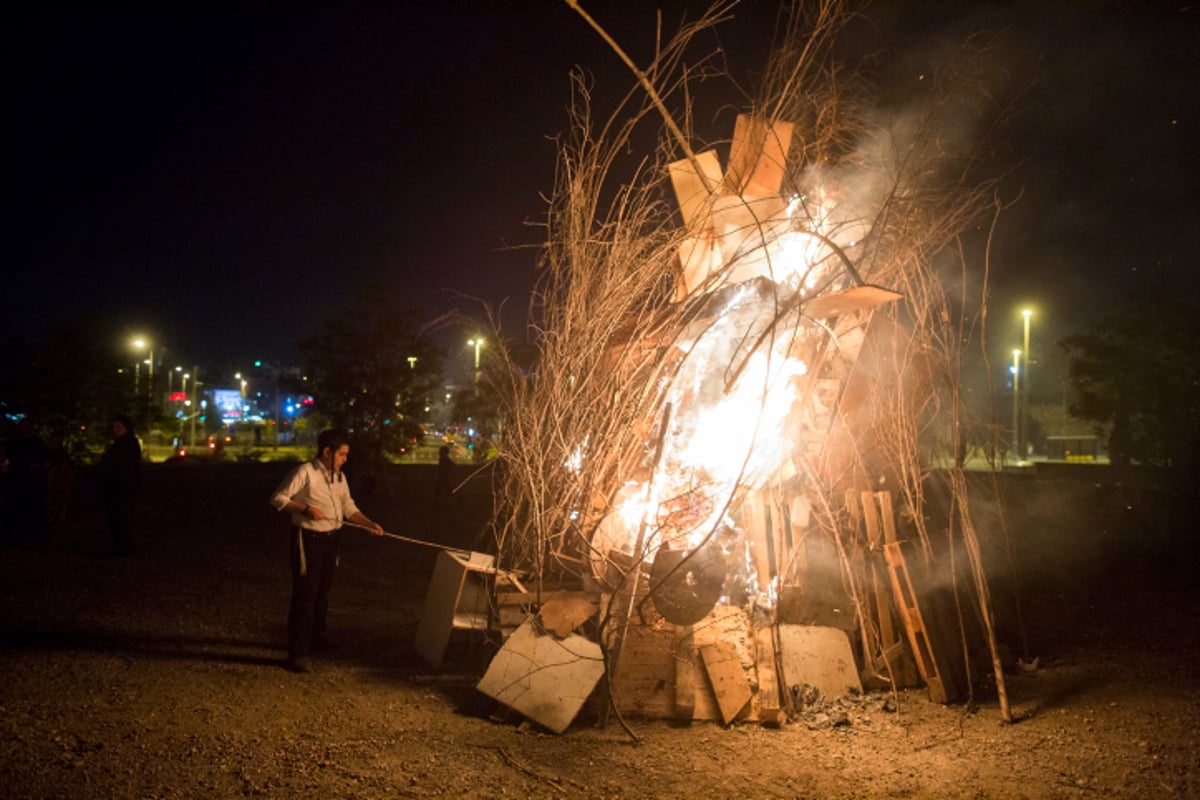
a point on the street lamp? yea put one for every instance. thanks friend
(1026, 313)
(1016, 418)
(140, 344)
(477, 343)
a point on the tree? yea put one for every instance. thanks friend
(363, 377)
(1137, 375)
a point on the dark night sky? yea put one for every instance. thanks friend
(223, 179)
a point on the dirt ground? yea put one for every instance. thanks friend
(160, 675)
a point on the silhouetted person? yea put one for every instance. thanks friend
(317, 496)
(445, 467)
(120, 483)
(25, 483)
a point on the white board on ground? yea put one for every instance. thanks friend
(545, 678)
(820, 657)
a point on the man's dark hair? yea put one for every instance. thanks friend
(333, 438)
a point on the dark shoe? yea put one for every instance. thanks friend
(298, 665)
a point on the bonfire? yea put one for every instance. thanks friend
(714, 476)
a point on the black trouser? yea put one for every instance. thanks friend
(314, 560)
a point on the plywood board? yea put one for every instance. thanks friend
(820, 657)
(645, 682)
(727, 678)
(545, 678)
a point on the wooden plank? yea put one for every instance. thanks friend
(545, 678)
(687, 678)
(768, 679)
(693, 189)
(754, 520)
(529, 598)
(819, 657)
(727, 678)
(888, 514)
(871, 519)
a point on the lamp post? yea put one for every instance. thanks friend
(1016, 409)
(477, 343)
(140, 344)
(1026, 314)
(195, 406)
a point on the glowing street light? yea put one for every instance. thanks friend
(412, 362)
(477, 343)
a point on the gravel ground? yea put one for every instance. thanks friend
(160, 675)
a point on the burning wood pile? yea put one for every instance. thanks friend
(714, 474)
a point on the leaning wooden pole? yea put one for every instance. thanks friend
(983, 595)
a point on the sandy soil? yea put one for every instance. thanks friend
(160, 675)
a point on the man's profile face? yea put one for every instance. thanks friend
(335, 459)
(339, 458)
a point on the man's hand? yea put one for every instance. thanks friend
(370, 525)
(313, 513)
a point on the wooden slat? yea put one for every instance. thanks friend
(888, 514)
(769, 708)
(870, 519)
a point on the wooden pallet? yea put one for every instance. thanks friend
(914, 623)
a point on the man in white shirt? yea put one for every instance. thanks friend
(317, 496)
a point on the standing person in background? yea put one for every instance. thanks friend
(445, 466)
(317, 496)
(120, 483)
(25, 482)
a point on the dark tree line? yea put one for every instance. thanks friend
(1136, 375)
